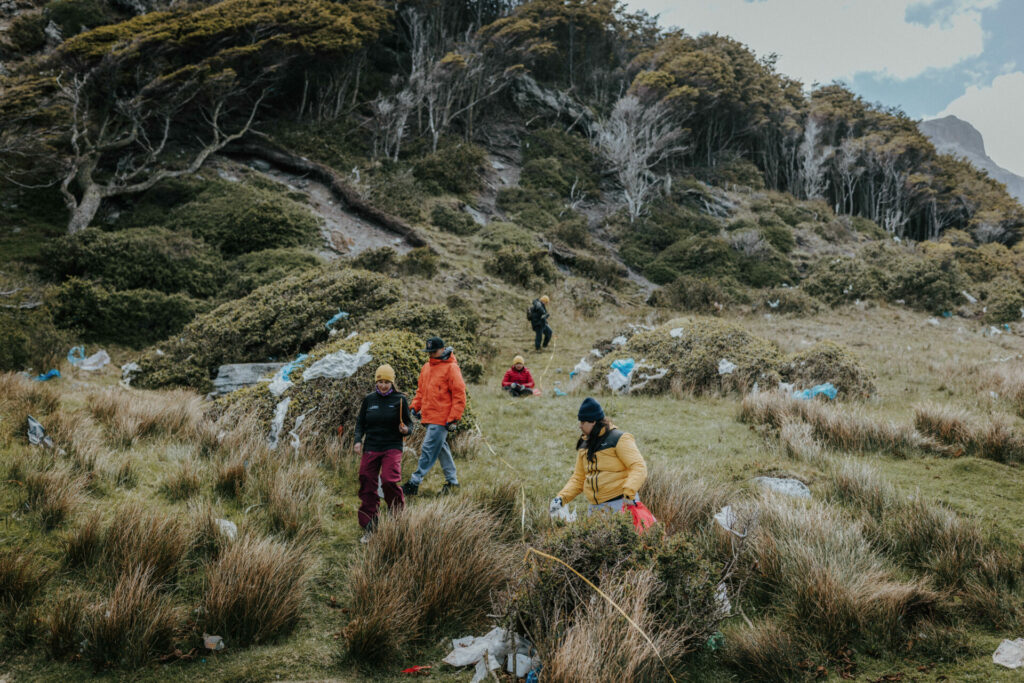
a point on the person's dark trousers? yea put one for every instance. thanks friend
(519, 391)
(387, 465)
(542, 332)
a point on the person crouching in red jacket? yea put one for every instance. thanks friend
(518, 381)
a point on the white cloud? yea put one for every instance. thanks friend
(995, 111)
(825, 40)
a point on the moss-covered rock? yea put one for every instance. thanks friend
(141, 258)
(828, 362)
(133, 317)
(275, 321)
(684, 356)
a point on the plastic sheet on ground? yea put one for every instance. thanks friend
(37, 435)
(227, 528)
(76, 355)
(790, 487)
(617, 381)
(283, 378)
(129, 370)
(726, 518)
(470, 650)
(1010, 654)
(340, 315)
(934, 322)
(624, 365)
(726, 367)
(773, 304)
(239, 375)
(827, 390)
(564, 514)
(676, 332)
(339, 365)
(619, 341)
(54, 373)
(722, 598)
(278, 422)
(581, 367)
(96, 361)
(294, 433)
(640, 379)
(557, 392)
(214, 643)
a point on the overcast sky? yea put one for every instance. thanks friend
(929, 57)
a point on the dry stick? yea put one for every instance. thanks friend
(550, 358)
(610, 602)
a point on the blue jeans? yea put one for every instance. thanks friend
(435, 444)
(611, 505)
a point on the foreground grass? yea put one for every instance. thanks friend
(533, 440)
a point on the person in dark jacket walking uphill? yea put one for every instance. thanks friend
(538, 316)
(517, 380)
(382, 425)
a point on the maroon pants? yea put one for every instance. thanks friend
(388, 466)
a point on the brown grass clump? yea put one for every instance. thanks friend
(766, 650)
(256, 590)
(441, 560)
(132, 415)
(184, 482)
(859, 485)
(154, 541)
(798, 443)
(22, 577)
(294, 500)
(230, 476)
(83, 545)
(80, 438)
(53, 494)
(64, 624)
(947, 424)
(21, 397)
(680, 499)
(601, 646)
(133, 625)
(997, 440)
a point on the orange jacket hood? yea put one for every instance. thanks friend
(441, 391)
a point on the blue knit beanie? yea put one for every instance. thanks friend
(590, 411)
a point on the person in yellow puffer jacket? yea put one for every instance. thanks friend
(609, 468)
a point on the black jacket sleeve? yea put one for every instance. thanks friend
(360, 422)
(406, 415)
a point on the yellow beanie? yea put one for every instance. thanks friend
(384, 372)
(518, 359)
(544, 299)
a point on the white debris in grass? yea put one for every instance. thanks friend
(676, 332)
(339, 365)
(278, 422)
(726, 367)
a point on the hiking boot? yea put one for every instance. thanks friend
(449, 488)
(410, 489)
(368, 529)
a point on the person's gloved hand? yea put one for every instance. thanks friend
(556, 505)
(516, 386)
(415, 413)
(452, 426)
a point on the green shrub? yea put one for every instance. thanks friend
(868, 227)
(602, 268)
(735, 172)
(29, 339)
(239, 219)
(778, 234)
(784, 300)
(456, 325)
(259, 268)
(275, 321)
(498, 234)
(133, 317)
(379, 260)
(452, 220)
(837, 280)
(142, 258)
(554, 160)
(710, 257)
(421, 261)
(572, 231)
(688, 293)
(931, 283)
(455, 167)
(1003, 300)
(828, 362)
(74, 16)
(521, 267)
(766, 269)
(25, 34)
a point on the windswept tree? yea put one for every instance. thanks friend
(153, 97)
(635, 140)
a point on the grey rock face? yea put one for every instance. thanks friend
(951, 135)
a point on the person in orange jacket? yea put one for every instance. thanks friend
(439, 403)
(517, 380)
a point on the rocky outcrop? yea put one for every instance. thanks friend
(951, 135)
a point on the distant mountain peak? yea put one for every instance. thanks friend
(952, 135)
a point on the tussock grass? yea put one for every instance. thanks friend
(53, 494)
(504, 501)
(83, 545)
(838, 427)
(1006, 379)
(64, 624)
(207, 538)
(130, 415)
(80, 438)
(22, 577)
(798, 443)
(680, 499)
(256, 590)
(184, 482)
(230, 476)
(441, 560)
(151, 540)
(126, 475)
(134, 624)
(997, 440)
(294, 499)
(765, 650)
(860, 486)
(21, 397)
(601, 646)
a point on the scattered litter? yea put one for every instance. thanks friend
(827, 390)
(339, 365)
(582, 366)
(676, 332)
(617, 381)
(624, 365)
(595, 352)
(934, 322)
(970, 299)
(557, 392)
(294, 433)
(767, 316)
(791, 487)
(418, 669)
(619, 341)
(993, 394)
(340, 315)
(786, 387)
(96, 361)
(283, 379)
(641, 379)
(47, 376)
(949, 314)
(470, 650)
(773, 304)
(214, 643)
(228, 528)
(76, 355)
(129, 370)
(726, 518)
(534, 675)
(722, 598)
(716, 641)
(1006, 326)
(992, 331)
(278, 422)
(37, 435)
(901, 302)
(239, 375)
(1010, 654)
(564, 514)
(726, 367)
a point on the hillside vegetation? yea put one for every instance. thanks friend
(190, 185)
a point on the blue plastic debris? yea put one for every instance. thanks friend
(947, 314)
(292, 366)
(1006, 326)
(533, 676)
(559, 392)
(340, 315)
(826, 390)
(76, 355)
(624, 366)
(50, 375)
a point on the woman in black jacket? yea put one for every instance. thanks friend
(383, 423)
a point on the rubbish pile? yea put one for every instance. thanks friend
(492, 651)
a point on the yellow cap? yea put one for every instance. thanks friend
(518, 359)
(544, 299)
(384, 372)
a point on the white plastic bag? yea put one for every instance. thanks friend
(1010, 654)
(339, 365)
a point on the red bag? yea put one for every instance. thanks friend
(642, 517)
